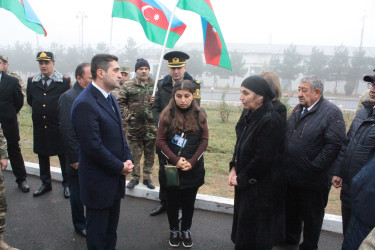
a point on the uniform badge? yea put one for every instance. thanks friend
(197, 94)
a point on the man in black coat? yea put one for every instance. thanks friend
(314, 136)
(83, 76)
(104, 154)
(11, 102)
(356, 152)
(43, 92)
(177, 71)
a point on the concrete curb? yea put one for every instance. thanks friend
(332, 223)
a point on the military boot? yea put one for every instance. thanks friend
(5, 246)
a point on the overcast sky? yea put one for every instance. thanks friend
(300, 22)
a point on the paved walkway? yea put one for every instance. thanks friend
(45, 223)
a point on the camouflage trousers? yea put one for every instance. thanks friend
(147, 149)
(3, 203)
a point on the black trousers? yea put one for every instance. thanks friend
(45, 170)
(184, 198)
(307, 207)
(162, 190)
(346, 213)
(76, 205)
(102, 226)
(12, 135)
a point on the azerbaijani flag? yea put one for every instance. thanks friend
(23, 11)
(215, 50)
(154, 18)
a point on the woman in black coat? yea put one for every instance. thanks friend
(257, 172)
(274, 81)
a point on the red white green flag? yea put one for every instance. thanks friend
(154, 18)
(215, 50)
(23, 11)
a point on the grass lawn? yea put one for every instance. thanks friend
(217, 157)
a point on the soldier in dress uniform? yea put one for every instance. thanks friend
(43, 92)
(3, 202)
(125, 76)
(177, 71)
(135, 100)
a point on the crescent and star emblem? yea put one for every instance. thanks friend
(144, 8)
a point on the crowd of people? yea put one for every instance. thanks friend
(282, 168)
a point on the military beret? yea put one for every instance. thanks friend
(4, 58)
(176, 59)
(45, 56)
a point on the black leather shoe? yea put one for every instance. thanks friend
(149, 184)
(158, 210)
(24, 187)
(66, 193)
(132, 184)
(81, 232)
(42, 190)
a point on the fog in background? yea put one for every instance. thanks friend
(333, 39)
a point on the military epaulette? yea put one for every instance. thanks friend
(197, 82)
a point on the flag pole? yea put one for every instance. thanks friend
(163, 50)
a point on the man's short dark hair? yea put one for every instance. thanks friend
(80, 70)
(101, 61)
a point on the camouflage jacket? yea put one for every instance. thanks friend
(3, 146)
(134, 101)
(116, 91)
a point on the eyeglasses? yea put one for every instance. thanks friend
(370, 85)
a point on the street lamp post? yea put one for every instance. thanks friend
(81, 15)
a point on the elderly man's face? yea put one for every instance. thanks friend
(143, 73)
(306, 95)
(372, 93)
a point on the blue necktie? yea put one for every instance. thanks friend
(109, 99)
(304, 111)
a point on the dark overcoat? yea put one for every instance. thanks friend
(69, 136)
(259, 215)
(44, 103)
(11, 97)
(313, 144)
(357, 149)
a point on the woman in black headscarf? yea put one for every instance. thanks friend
(257, 172)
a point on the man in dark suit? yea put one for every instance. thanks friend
(83, 76)
(11, 102)
(104, 155)
(43, 92)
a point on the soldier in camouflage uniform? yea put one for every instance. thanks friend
(3, 203)
(125, 76)
(177, 71)
(135, 100)
(6, 65)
